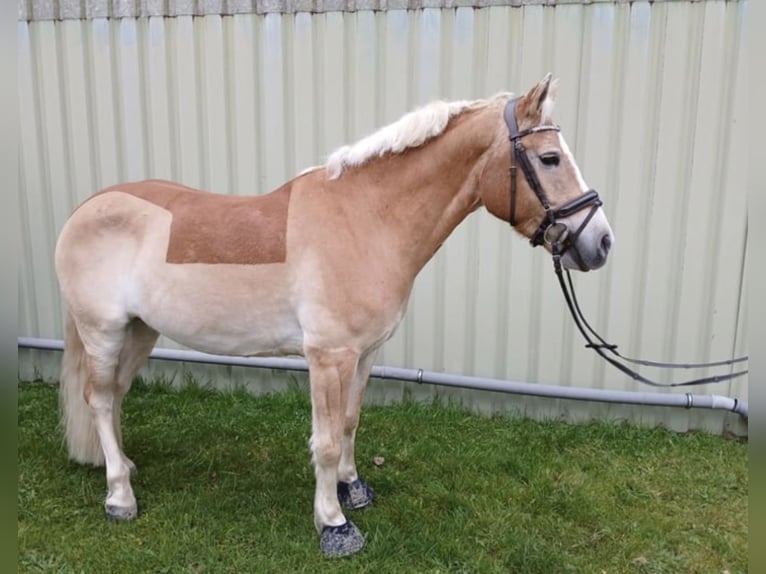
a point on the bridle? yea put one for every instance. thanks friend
(550, 231)
(557, 236)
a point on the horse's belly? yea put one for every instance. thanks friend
(268, 340)
(222, 309)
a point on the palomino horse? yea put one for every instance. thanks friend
(322, 267)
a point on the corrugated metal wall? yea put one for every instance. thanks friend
(652, 101)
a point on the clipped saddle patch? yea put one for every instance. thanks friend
(214, 228)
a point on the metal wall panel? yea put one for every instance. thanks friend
(652, 101)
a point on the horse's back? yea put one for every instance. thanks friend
(180, 224)
(214, 228)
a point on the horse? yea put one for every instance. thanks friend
(321, 267)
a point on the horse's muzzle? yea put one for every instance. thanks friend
(589, 255)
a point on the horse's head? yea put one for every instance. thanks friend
(546, 198)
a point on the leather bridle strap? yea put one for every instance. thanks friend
(519, 151)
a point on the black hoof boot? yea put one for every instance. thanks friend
(120, 513)
(356, 494)
(339, 541)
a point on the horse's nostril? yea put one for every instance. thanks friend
(606, 242)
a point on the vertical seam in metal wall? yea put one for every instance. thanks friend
(47, 250)
(535, 299)
(620, 43)
(200, 42)
(90, 102)
(688, 130)
(260, 158)
(714, 223)
(447, 26)
(349, 77)
(137, 26)
(64, 105)
(317, 81)
(119, 132)
(741, 294)
(143, 34)
(679, 215)
(479, 73)
(724, 143)
(288, 141)
(722, 139)
(45, 179)
(657, 42)
(568, 336)
(350, 36)
(549, 32)
(565, 336)
(173, 97)
(380, 64)
(711, 240)
(227, 22)
(34, 319)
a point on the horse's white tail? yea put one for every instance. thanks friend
(79, 428)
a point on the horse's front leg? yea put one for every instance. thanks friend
(331, 376)
(353, 491)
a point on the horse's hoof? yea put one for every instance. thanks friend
(120, 513)
(356, 494)
(339, 541)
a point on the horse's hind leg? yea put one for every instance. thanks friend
(101, 357)
(139, 341)
(353, 492)
(103, 349)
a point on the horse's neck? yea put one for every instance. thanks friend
(422, 195)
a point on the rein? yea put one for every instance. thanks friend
(560, 240)
(602, 347)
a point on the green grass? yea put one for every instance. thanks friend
(225, 485)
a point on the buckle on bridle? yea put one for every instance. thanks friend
(556, 233)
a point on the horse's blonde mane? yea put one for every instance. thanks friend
(411, 130)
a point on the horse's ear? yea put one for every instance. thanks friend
(539, 100)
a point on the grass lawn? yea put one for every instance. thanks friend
(225, 485)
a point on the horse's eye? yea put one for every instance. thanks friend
(550, 159)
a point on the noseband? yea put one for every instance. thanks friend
(550, 230)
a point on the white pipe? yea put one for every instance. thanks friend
(686, 400)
